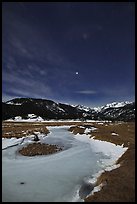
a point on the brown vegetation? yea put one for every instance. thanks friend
(21, 129)
(39, 149)
(77, 129)
(121, 181)
(18, 130)
(125, 131)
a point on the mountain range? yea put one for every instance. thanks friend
(48, 109)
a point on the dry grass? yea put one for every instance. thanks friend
(39, 149)
(18, 130)
(76, 129)
(120, 184)
(125, 131)
(121, 181)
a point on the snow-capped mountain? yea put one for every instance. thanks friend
(81, 107)
(112, 105)
(48, 109)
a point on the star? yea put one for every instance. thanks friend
(76, 72)
(85, 36)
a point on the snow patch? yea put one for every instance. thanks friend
(56, 177)
(13, 103)
(114, 134)
(89, 130)
(112, 105)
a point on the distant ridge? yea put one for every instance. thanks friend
(48, 109)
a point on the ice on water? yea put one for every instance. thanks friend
(57, 177)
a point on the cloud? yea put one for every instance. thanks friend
(86, 92)
(119, 91)
(18, 85)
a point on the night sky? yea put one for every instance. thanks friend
(76, 53)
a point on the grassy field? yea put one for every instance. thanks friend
(19, 129)
(121, 181)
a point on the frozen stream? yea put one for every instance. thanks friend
(57, 177)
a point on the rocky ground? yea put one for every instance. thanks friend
(120, 182)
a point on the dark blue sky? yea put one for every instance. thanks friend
(77, 53)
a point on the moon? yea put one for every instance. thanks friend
(76, 72)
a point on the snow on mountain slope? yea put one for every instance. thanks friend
(83, 108)
(47, 109)
(112, 105)
(13, 103)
